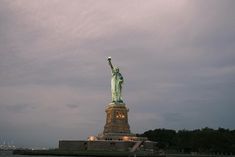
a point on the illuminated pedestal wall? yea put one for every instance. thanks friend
(117, 126)
(116, 119)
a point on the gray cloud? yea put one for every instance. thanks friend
(19, 107)
(177, 59)
(72, 106)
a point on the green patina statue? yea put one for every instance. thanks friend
(116, 83)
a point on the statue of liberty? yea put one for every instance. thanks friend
(116, 83)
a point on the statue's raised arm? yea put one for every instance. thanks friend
(109, 60)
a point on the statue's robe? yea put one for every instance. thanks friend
(116, 86)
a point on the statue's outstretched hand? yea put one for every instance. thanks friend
(109, 60)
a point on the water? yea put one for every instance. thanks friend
(9, 154)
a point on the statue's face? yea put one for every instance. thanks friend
(116, 70)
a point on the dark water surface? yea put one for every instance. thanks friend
(9, 154)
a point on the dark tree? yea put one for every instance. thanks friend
(205, 140)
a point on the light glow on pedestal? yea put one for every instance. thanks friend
(125, 138)
(92, 138)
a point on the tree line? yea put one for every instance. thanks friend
(205, 140)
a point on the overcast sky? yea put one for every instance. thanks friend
(177, 58)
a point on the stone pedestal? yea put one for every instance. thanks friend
(117, 119)
(117, 127)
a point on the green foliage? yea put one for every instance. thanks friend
(205, 140)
